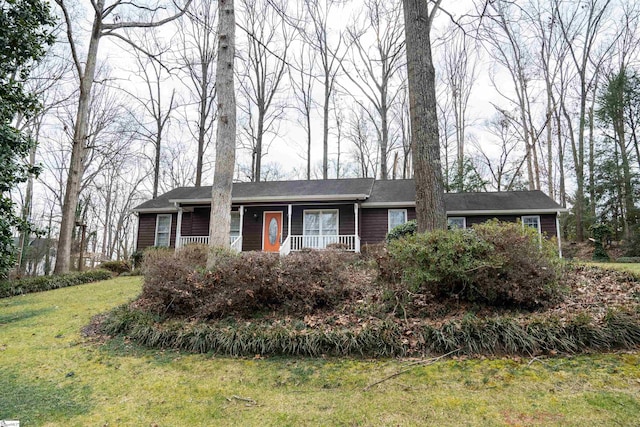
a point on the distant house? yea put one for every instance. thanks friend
(288, 216)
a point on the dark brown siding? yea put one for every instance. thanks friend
(374, 224)
(548, 225)
(147, 230)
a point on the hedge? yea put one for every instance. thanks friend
(9, 288)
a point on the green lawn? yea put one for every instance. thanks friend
(630, 267)
(51, 375)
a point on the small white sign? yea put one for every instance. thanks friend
(9, 423)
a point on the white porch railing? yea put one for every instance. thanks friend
(348, 242)
(234, 241)
(194, 240)
(285, 247)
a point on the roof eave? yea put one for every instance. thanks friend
(506, 211)
(259, 199)
(155, 210)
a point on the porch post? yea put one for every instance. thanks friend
(357, 229)
(241, 211)
(179, 228)
(289, 210)
(558, 234)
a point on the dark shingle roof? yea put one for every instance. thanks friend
(403, 193)
(372, 193)
(271, 191)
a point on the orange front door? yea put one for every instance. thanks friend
(272, 231)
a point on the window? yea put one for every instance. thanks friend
(163, 230)
(235, 225)
(321, 223)
(532, 221)
(456, 222)
(396, 217)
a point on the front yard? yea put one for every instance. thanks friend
(51, 375)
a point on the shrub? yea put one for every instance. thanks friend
(632, 246)
(10, 288)
(315, 280)
(407, 229)
(496, 263)
(600, 233)
(136, 259)
(628, 259)
(117, 267)
(244, 284)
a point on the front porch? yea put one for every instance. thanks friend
(348, 242)
(277, 228)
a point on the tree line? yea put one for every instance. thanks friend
(541, 94)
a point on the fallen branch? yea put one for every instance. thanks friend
(410, 366)
(243, 399)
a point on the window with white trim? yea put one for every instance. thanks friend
(320, 222)
(456, 222)
(235, 224)
(396, 217)
(163, 230)
(532, 221)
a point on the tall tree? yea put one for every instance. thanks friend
(329, 45)
(157, 103)
(220, 222)
(263, 70)
(24, 36)
(110, 18)
(615, 102)
(375, 66)
(430, 209)
(582, 26)
(197, 56)
(459, 75)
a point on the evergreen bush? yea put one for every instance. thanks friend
(117, 267)
(10, 288)
(495, 263)
(407, 229)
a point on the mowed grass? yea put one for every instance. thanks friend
(620, 266)
(51, 375)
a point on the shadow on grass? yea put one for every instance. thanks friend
(23, 315)
(37, 403)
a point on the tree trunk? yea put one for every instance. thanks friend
(202, 120)
(72, 191)
(430, 209)
(325, 128)
(220, 223)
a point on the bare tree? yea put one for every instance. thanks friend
(220, 222)
(581, 26)
(502, 159)
(364, 153)
(103, 10)
(262, 72)
(374, 67)
(459, 75)
(330, 47)
(430, 209)
(197, 57)
(157, 107)
(503, 31)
